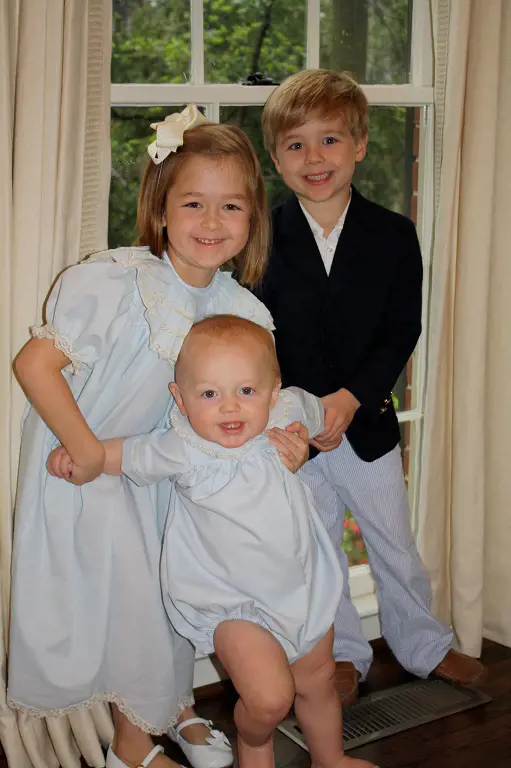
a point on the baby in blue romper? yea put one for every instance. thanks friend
(248, 570)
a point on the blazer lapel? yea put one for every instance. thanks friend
(297, 244)
(349, 245)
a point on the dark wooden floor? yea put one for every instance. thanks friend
(479, 738)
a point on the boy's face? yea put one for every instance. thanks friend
(226, 389)
(317, 161)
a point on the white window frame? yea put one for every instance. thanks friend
(417, 93)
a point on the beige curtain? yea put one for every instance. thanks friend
(465, 486)
(54, 176)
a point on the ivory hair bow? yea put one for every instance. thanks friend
(170, 132)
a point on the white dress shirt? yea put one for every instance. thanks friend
(326, 245)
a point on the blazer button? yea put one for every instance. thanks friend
(383, 410)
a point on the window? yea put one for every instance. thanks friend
(167, 53)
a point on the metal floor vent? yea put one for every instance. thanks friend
(397, 709)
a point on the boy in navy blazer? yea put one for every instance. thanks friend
(344, 286)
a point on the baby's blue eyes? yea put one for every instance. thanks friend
(209, 394)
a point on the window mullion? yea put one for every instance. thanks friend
(421, 44)
(313, 30)
(197, 41)
(213, 111)
(135, 94)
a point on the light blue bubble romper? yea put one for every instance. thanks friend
(88, 621)
(243, 539)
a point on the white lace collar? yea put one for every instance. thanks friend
(279, 416)
(171, 309)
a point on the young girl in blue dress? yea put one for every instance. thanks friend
(88, 621)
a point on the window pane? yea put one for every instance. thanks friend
(151, 41)
(404, 394)
(387, 174)
(131, 134)
(369, 38)
(249, 118)
(241, 38)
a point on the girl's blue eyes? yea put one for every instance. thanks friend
(228, 206)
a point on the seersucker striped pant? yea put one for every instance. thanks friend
(376, 494)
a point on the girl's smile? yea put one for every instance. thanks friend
(207, 214)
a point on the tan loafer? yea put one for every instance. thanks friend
(461, 669)
(346, 682)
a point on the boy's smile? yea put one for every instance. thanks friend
(317, 161)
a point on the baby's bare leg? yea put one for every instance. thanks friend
(318, 708)
(259, 670)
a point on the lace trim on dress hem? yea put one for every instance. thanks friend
(60, 342)
(112, 698)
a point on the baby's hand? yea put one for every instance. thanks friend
(292, 443)
(60, 464)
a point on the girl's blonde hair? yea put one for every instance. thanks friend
(215, 141)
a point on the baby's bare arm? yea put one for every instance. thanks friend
(113, 456)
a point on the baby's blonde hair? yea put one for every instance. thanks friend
(219, 142)
(315, 93)
(228, 327)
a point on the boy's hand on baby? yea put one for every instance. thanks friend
(292, 443)
(340, 408)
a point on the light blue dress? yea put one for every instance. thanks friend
(88, 622)
(243, 538)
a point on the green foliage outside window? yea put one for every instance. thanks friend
(151, 44)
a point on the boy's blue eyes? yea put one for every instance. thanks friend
(328, 140)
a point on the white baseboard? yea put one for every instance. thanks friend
(206, 672)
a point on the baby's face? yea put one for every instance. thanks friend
(226, 389)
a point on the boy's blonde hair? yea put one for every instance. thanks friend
(213, 141)
(227, 327)
(315, 93)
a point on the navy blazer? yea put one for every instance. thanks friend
(355, 328)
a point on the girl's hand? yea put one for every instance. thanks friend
(292, 443)
(60, 464)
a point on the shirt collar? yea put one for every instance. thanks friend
(317, 229)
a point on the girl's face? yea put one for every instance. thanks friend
(207, 214)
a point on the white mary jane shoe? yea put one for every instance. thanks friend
(112, 761)
(217, 753)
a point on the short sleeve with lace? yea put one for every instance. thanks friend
(86, 311)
